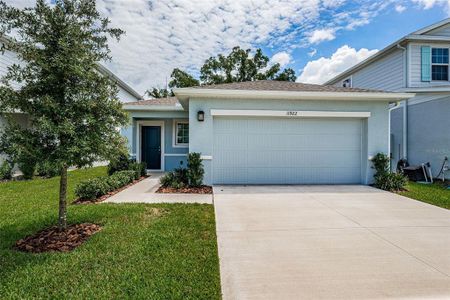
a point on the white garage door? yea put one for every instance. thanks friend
(286, 151)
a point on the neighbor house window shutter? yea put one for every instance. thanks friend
(426, 63)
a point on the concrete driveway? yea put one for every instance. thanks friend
(330, 242)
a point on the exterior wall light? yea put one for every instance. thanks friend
(201, 116)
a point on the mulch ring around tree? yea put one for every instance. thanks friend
(104, 197)
(204, 189)
(51, 239)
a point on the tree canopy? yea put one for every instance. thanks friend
(73, 109)
(239, 65)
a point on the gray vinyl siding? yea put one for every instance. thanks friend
(387, 73)
(396, 136)
(428, 132)
(7, 59)
(416, 64)
(443, 31)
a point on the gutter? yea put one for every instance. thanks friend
(183, 94)
(151, 108)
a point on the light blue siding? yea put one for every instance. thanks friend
(287, 151)
(425, 63)
(387, 73)
(172, 155)
(375, 130)
(429, 132)
(442, 31)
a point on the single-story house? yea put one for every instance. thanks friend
(265, 132)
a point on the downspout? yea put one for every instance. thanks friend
(405, 107)
(389, 126)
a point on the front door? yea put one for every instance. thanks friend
(151, 147)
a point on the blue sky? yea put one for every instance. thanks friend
(317, 38)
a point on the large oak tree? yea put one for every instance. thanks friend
(74, 110)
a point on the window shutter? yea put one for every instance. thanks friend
(426, 63)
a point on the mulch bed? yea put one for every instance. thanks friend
(104, 197)
(204, 189)
(51, 239)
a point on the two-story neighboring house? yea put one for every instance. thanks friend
(417, 63)
(8, 58)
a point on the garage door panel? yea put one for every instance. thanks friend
(286, 151)
(303, 158)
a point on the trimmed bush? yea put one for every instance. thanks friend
(6, 170)
(195, 170)
(92, 189)
(384, 178)
(138, 168)
(47, 169)
(176, 179)
(121, 163)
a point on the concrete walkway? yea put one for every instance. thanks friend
(144, 192)
(330, 242)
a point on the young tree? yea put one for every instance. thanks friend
(73, 109)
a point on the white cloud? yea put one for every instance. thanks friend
(166, 34)
(427, 4)
(321, 35)
(283, 58)
(325, 68)
(400, 8)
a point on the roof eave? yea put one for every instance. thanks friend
(185, 94)
(152, 108)
(119, 81)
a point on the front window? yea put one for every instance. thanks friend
(439, 64)
(181, 133)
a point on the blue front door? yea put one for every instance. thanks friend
(151, 147)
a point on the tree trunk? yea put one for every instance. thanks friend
(62, 218)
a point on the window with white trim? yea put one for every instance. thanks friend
(347, 83)
(181, 133)
(439, 64)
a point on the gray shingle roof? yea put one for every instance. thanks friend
(169, 101)
(273, 85)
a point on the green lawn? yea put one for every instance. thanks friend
(435, 194)
(142, 252)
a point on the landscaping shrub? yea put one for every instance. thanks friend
(139, 168)
(195, 170)
(182, 177)
(6, 170)
(176, 179)
(92, 189)
(121, 163)
(97, 187)
(47, 169)
(124, 177)
(28, 166)
(384, 178)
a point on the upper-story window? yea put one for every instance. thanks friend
(347, 82)
(439, 64)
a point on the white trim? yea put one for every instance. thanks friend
(206, 157)
(174, 133)
(175, 154)
(139, 125)
(151, 108)
(290, 114)
(185, 93)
